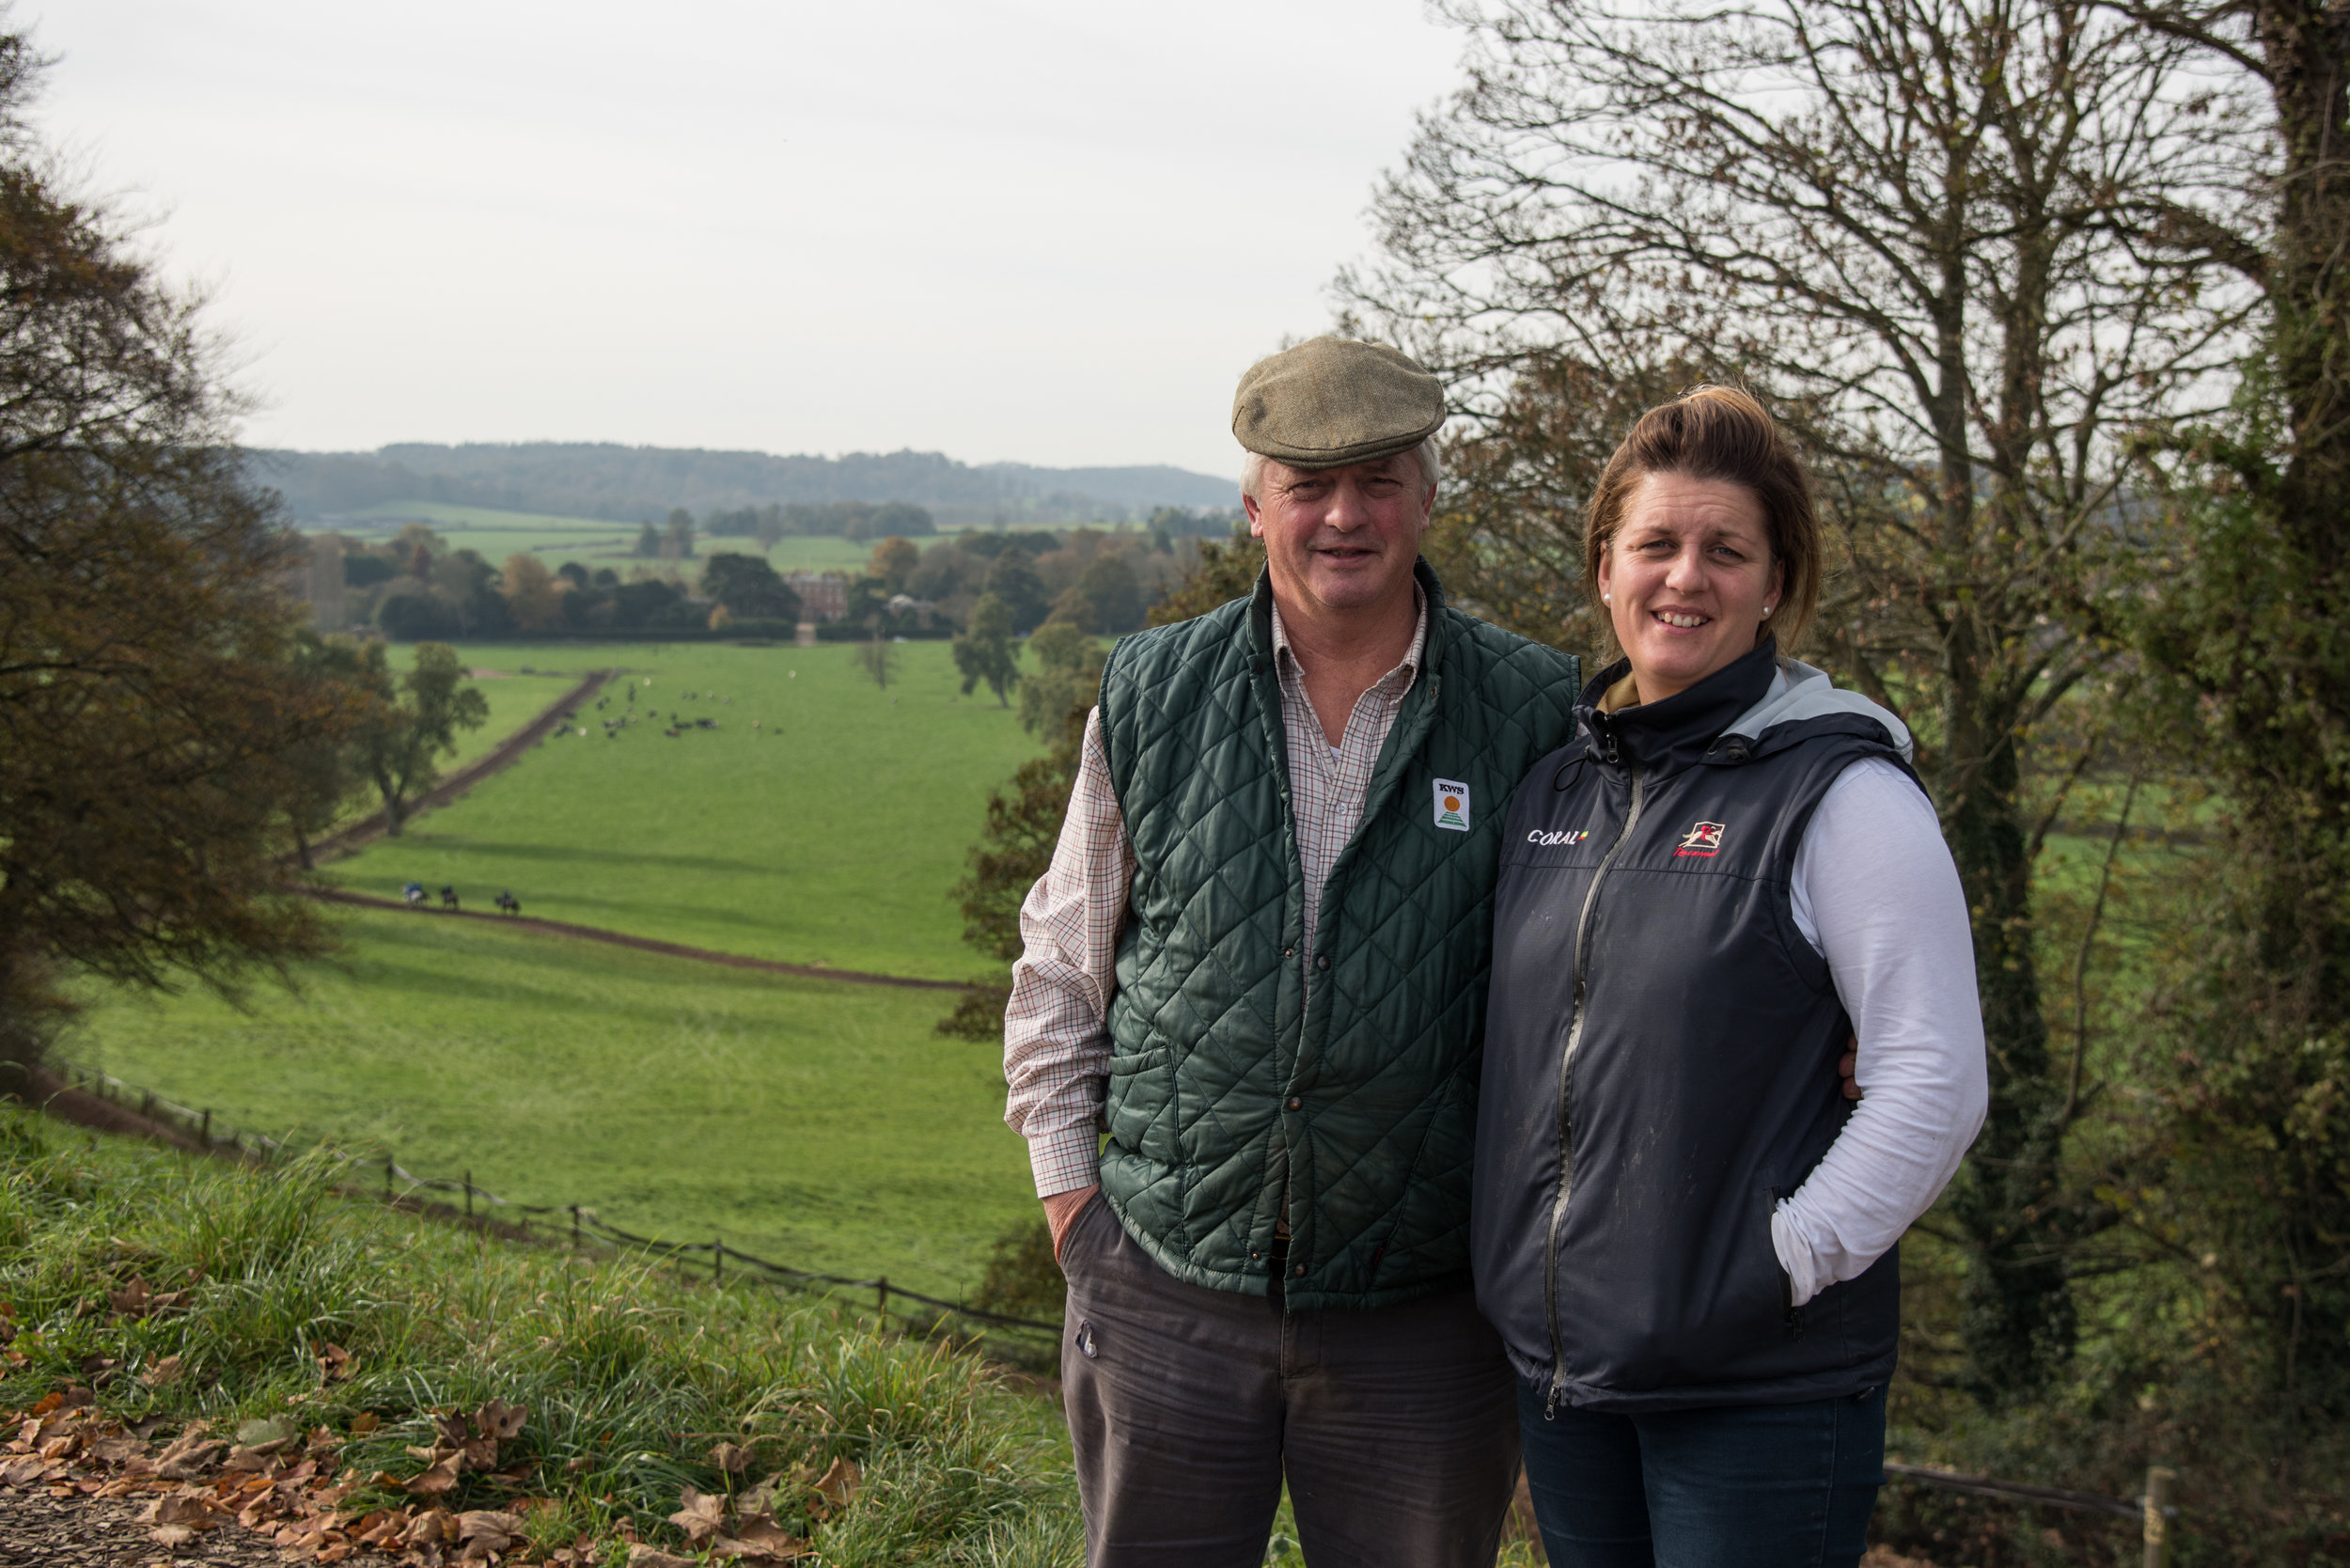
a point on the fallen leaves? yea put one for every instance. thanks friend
(272, 1477)
(739, 1531)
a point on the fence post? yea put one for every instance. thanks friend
(574, 1227)
(206, 1134)
(2158, 1480)
(468, 1194)
(717, 1261)
(147, 1105)
(881, 1294)
(389, 1164)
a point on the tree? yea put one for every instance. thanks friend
(1024, 818)
(1906, 226)
(749, 588)
(533, 595)
(1011, 577)
(1224, 572)
(877, 656)
(985, 651)
(893, 560)
(325, 768)
(2249, 634)
(1068, 676)
(416, 724)
(1105, 598)
(677, 540)
(153, 712)
(647, 543)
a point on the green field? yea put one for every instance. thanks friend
(813, 1123)
(591, 541)
(831, 834)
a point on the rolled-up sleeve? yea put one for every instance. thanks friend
(1056, 1045)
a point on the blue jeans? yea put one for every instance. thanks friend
(1741, 1486)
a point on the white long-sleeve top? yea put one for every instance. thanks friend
(1876, 893)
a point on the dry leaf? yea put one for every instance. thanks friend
(433, 1528)
(364, 1423)
(20, 1472)
(838, 1485)
(759, 1538)
(493, 1530)
(172, 1537)
(133, 1300)
(734, 1458)
(333, 1362)
(438, 1477)
(161, 1373)
(196, 1510)
(189, 1455)
(499, 1420)
(642, 1556)
(700, 1518)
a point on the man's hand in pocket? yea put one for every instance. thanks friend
(1060, 1213)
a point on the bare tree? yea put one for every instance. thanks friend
(1913, 225)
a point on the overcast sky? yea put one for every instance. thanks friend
(1050, 231)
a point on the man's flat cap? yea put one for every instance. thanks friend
(1335, 401)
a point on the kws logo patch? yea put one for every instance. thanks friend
(1453, 804)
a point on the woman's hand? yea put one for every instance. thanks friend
(1848, 1069)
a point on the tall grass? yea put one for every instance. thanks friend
(630, 1377)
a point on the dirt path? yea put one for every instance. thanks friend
(642, 944)
(39, 1529)
(368, 829)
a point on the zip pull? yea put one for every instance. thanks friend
(1550, 1406)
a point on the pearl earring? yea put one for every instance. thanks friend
(1606, 597)
(1766, 612)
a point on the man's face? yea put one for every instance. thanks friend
(1341, 537)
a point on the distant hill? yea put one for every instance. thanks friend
(641, 483)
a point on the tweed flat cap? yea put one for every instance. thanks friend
(1335, 401)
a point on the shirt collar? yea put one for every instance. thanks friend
(1399, 677)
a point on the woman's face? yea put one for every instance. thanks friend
(1688, 580)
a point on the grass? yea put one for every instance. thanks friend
(628, 1377)
(816, 1123)
(832, 834)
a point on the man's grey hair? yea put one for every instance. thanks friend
(1425, 454)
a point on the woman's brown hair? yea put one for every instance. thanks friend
(1717, 432)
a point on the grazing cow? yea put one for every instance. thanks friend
(508, 902)
(448, 895)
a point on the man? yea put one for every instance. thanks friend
(1258, 962)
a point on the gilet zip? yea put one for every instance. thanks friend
(1566, 1109)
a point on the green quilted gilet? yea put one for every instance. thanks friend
(1216, 1033)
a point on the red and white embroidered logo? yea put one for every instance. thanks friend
(1702, 839)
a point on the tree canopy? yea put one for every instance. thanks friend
(156, 711)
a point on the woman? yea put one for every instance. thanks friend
(1682, 1230)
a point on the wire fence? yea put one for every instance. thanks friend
(581, 1223)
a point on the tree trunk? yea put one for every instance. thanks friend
(2018, 1317)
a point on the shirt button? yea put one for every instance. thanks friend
(1295, 1102)
(1255, 1256)
(1289, 953)
(1323, 962)
(1299, 1271)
